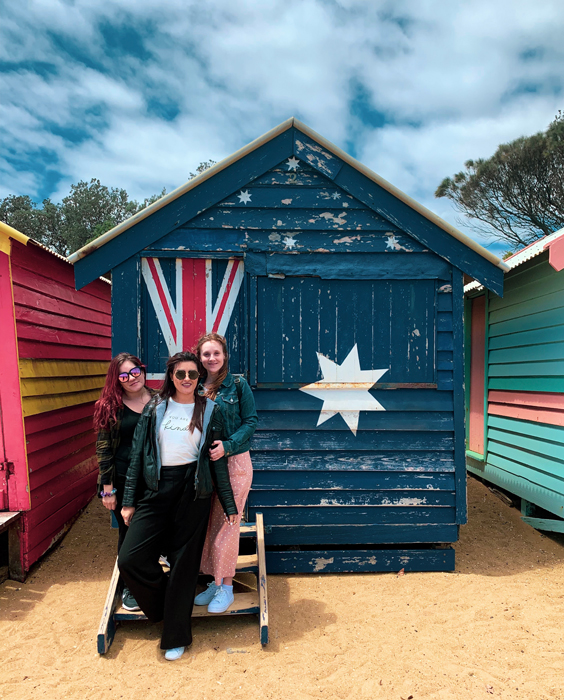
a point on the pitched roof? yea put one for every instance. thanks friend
(522, 256)
(268, 136)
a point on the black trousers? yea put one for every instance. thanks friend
(167, 520)
(122, 527)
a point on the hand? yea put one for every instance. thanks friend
(127, 513)
(231, 519)
(217, 450)
(110, 502)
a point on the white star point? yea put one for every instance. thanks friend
(244, 197)
(289, 242)
(345, 389)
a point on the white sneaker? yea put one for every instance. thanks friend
(173, 654)
(206, 597)
(222, 599)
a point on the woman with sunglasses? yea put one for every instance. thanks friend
(116, 413)
(170, 456)
(236, 402)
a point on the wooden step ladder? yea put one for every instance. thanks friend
(253, 602)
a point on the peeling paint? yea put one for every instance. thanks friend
(339, 220)
(393, 244)
(446, 289)
(286, 201)
(346, 239)
(227, 226)
(345, 204)
(274, 237)
(279, 223)
(321, 563)
(416, 332)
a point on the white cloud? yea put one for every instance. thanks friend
(448, 77)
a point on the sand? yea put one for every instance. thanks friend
(493, 628)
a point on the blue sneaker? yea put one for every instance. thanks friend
(173, 654)
(206, 597)
(222, 599)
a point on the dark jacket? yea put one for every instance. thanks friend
(237, 404)
(145, 458)
(107, 443)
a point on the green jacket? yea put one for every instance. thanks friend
(145, 458)
(237, 404)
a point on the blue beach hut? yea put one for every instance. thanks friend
(342, 302)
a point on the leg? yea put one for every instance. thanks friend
(185, 553)
(138, 559)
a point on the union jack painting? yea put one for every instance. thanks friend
(195, 309)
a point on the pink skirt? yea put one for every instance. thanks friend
(221, 548)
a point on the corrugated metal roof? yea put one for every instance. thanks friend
(522, 256)
(289, 123)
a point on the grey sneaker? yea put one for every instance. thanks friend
(222, 600)
(128, 602)
(206, 597)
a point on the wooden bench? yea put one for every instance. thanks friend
(252, 602)
(11, 522)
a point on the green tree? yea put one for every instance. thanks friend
(516, 195)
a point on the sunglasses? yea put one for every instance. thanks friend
(181, 374)
(135, 373)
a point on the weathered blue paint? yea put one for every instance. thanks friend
(333, 266)
(126, 292)
(332, 561)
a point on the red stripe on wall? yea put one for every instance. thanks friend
(55, 419)
(477, 372)
(50, 351)
(528, 398)
(45, 474)
(60, 450)
(47, 319)
(40, 334)
(52, 288)
(193, 301)
(33, 258)
(32, 299)
(46, 438)
(536, 415)
(13, 492)
(35, 543)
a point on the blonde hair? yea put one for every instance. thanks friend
(214, 387)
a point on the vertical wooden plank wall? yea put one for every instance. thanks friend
(64, 348)
(14, 494)
(525, 369)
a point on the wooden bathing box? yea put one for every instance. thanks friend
(342, 302)
(53, 359)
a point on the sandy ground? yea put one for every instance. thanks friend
(492, 628)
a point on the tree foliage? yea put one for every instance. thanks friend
(516, 195)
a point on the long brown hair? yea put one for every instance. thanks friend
(168, 389)
(214, 387)
(111, 398)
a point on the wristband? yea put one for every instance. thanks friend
(105, 494)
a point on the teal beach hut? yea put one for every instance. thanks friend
(515, 371)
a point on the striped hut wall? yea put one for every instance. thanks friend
(64, 344)
(525, 425)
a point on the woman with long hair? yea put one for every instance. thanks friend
(237, 405)
(170, 457)
(116, 413)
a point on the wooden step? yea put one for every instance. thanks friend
(244, 604)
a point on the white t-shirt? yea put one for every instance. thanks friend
(178, 445)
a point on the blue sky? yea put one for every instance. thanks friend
(137, 94)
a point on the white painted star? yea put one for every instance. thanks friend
(293, 163)
(392, 242)
(336, 195)
(289, 242)
(344, 389)
(244, 197)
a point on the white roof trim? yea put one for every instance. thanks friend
(528, 253)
